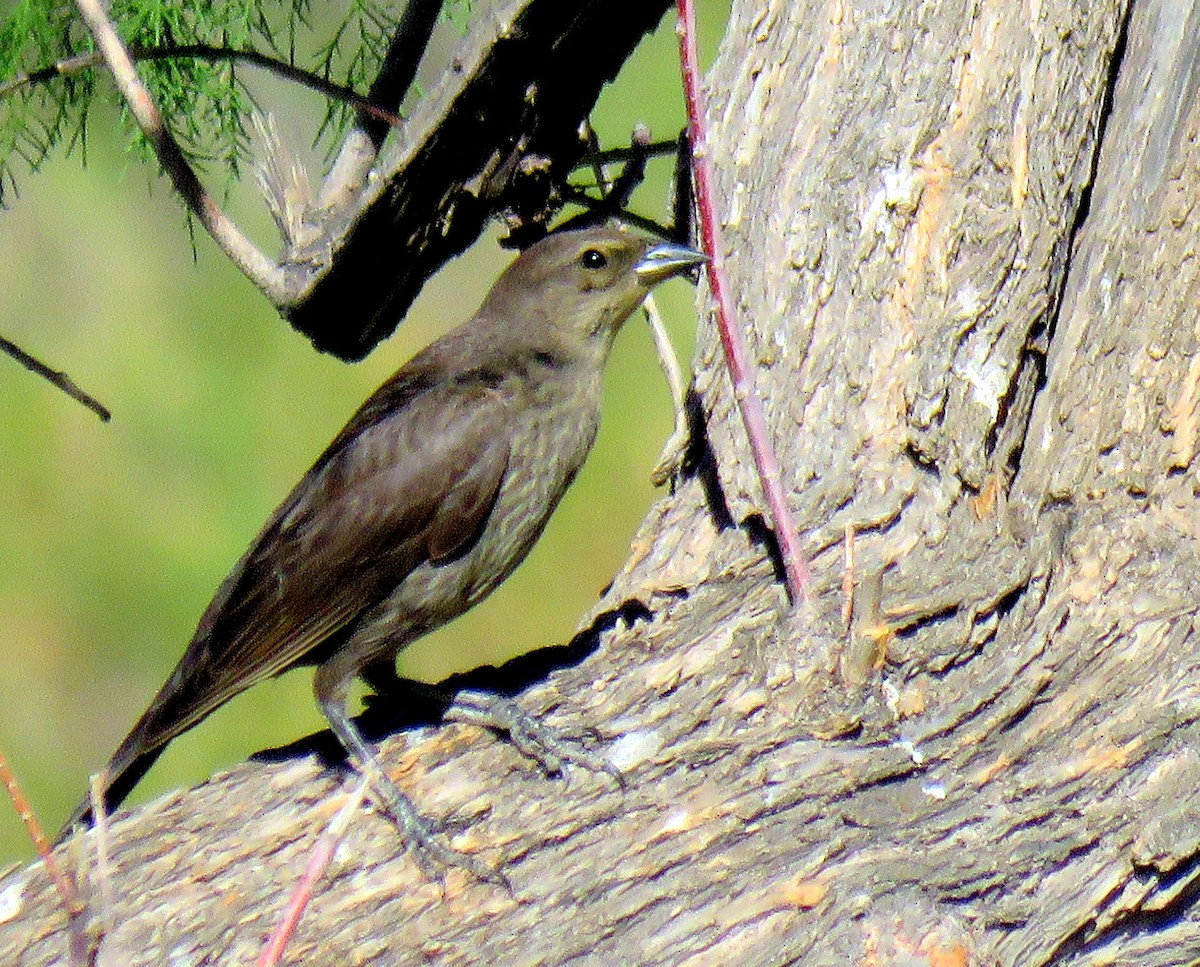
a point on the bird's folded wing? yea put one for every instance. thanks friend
(413, 486)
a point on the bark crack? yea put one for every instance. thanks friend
(1063, 257)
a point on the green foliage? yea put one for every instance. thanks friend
(358, 46)
(39, 117)
(203, 100)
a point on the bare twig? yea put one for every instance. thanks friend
(104, 872)
(360, 148)
(634, 171)
(322, 85)
(79, 953)
(241, 251)
(681, 209)
(609, 155)
(58, 378)
(318, 863)
(594, 206)
(737, 355)
(399, 68)
(592, 160)
(672, 452)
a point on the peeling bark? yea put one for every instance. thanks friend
(961, 237)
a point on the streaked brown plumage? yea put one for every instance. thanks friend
(430, 496)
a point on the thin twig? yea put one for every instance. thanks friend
(671, 455)
(681, 208)
(104, 873)
(318, 863)
(239, 249)
(634, 171)
(58, 378)
(346, 178)
(595, 156)
(399, 68)
(79, 953)
(592, 160)
(737, 355)
(594, 208)
(322, 85)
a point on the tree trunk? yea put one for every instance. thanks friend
(960, 239)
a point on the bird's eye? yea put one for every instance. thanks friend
(593, 259)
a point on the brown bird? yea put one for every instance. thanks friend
(422, 505)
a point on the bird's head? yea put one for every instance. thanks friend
(583, 284)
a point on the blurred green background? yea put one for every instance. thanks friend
(114, 537)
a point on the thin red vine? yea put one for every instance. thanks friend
(737, 355)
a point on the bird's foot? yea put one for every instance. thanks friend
(532, 738)
(429, 851)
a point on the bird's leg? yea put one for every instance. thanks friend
(531, 737)
(331, 684)
(487, 710)
(381, 677)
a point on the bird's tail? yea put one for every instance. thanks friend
(171, 713)
(115, 786)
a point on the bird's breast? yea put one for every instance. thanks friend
(548, 448)
(548, 443)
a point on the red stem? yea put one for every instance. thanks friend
(737, 355)
(78, 951)
(318, 863)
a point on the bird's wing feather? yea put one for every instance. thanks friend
(416, 486)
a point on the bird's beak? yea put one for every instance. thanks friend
(665, 260)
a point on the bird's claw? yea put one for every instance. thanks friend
(532, 738)
(425, 841)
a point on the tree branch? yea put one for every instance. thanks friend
(360, 148)
(318, 865)
(56, 377)
(236, 246)
(253, 58)
(64, 886)
(497, 134)
(400, 64)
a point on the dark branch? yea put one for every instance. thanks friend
(497, 135)
(59, 379)
(400, 65)
(254, 58)
(498, 138)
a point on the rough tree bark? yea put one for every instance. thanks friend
(962, 240)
